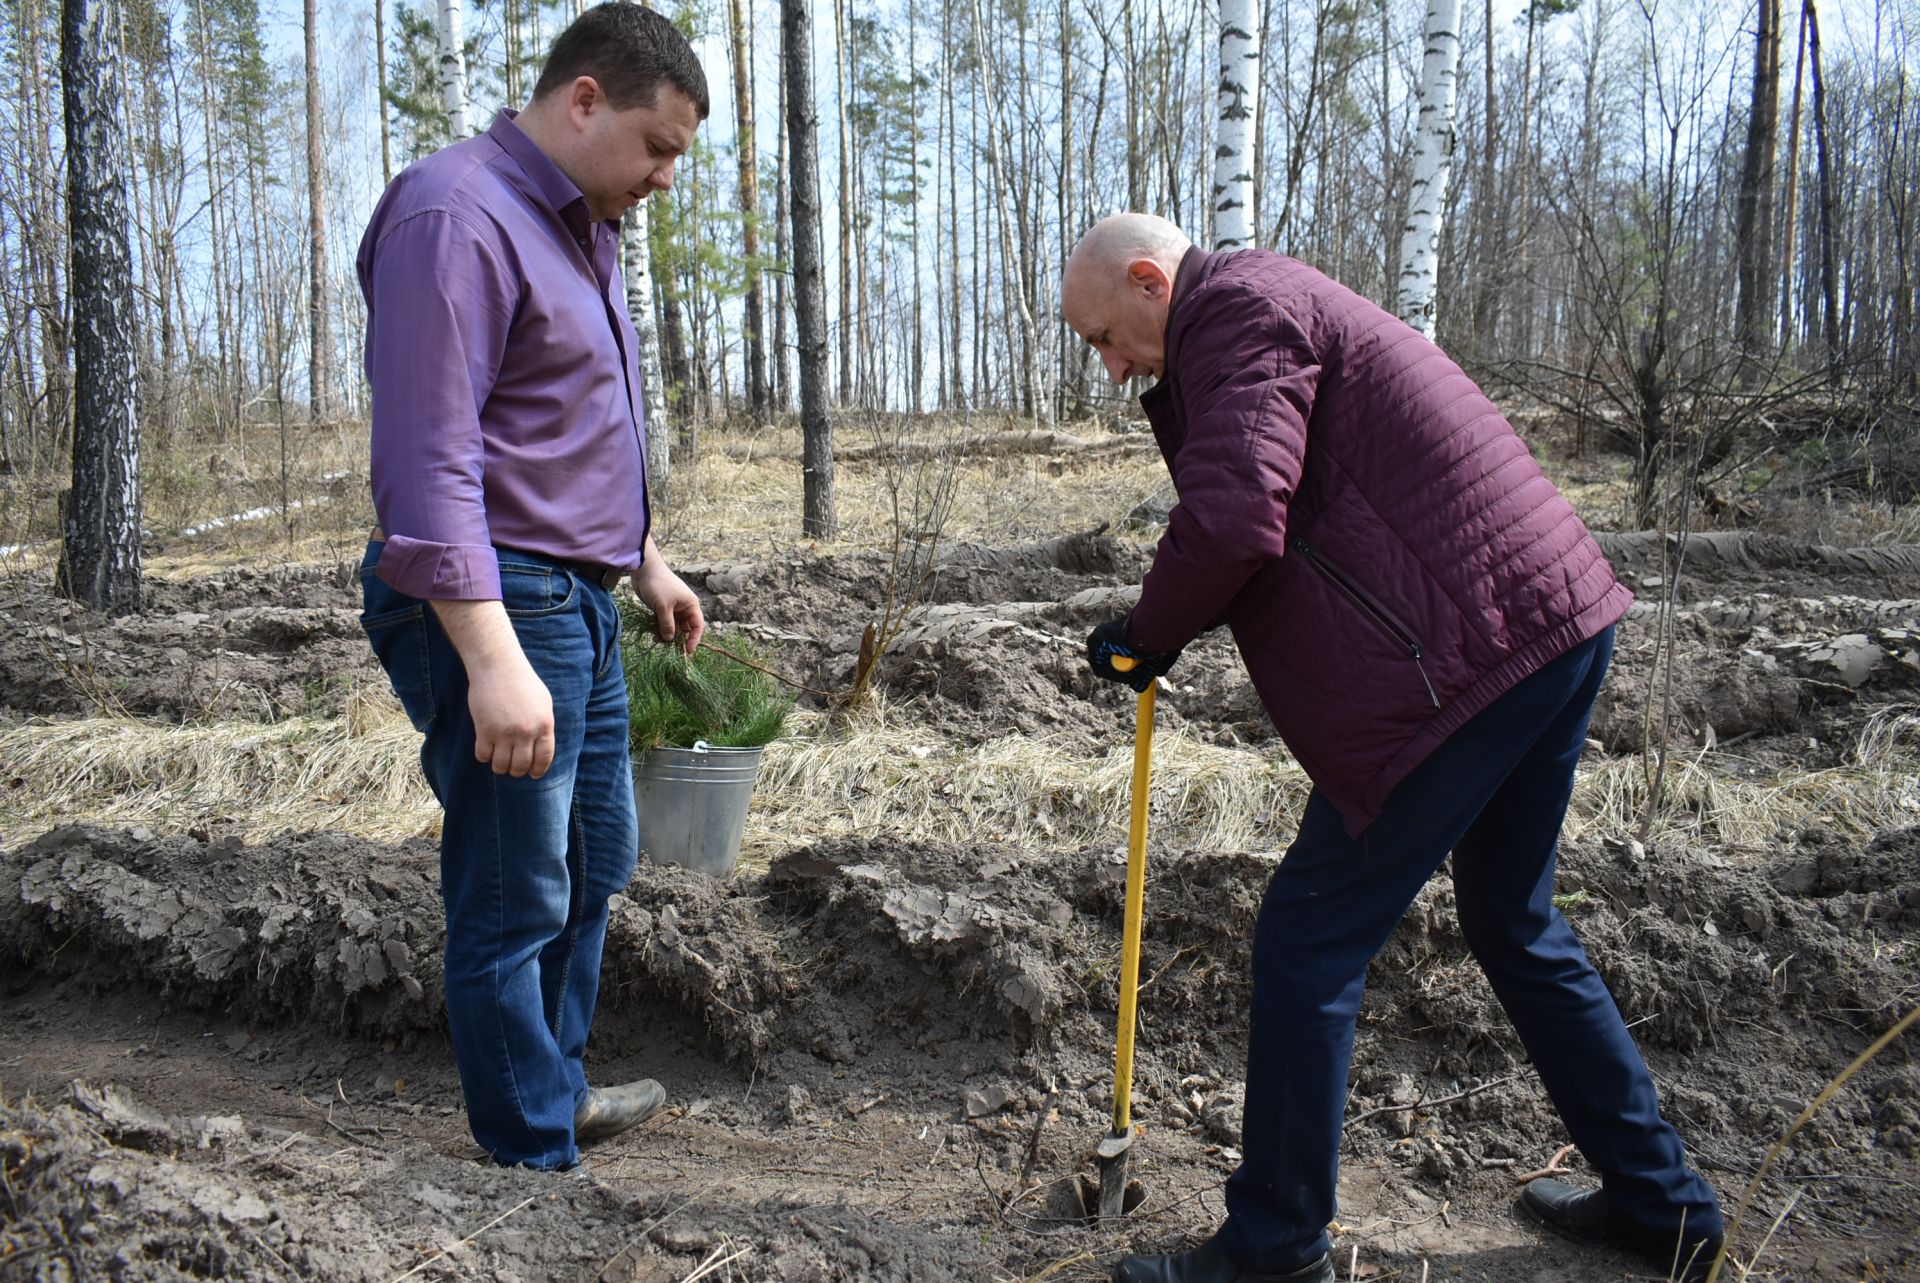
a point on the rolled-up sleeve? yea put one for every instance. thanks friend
(440, 307)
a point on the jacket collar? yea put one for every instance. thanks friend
(1195, 266)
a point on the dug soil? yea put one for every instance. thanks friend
(886, 1059)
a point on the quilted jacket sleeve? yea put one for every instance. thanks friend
(1245, 378)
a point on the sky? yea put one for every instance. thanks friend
(347, 48)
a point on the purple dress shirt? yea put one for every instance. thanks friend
(507, 408)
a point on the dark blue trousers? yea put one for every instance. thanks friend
(1494, 795)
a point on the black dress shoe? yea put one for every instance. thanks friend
(1209, 1263)
(1586, 1216)
(611, 1110)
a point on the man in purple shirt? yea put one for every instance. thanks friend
(510, 484)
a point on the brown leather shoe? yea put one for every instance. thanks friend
(1209, 1263)
(608, 1111)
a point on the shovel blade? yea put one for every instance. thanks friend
(1113, 1188)
(1113, 1154)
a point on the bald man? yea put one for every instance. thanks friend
(1427, 622)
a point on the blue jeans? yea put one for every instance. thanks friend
(526, 865)
(1494, 794)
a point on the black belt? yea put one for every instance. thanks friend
(608, 577)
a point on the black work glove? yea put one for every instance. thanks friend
(1110, 639)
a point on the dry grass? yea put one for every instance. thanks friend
(359, 774)
(1703, 805)
(908, 781)
(1842, 522)
(197, 481)
(741, 498)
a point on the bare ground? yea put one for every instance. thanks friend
(889, 1058)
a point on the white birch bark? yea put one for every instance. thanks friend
(1234, 161)
(453, 67)
(1432, 162)
(637, 251)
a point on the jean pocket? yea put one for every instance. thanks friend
(529, 592)
(396, 628)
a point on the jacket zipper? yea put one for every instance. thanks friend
(1380, 614)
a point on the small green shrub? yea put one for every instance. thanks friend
(674, 700)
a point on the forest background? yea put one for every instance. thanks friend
(1664, 219)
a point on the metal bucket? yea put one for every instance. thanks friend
(693, 804)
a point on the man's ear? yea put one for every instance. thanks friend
(584, 97)
(1148, 279)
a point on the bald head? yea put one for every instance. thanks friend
(1113, 243)
(1118, 287)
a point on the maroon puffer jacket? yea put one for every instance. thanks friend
(1387, 552)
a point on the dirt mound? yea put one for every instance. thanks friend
(101, 1187)
(993, 649)
(1761, 665)
(310, 926)
(974, 989)
(867, 1045)
(255, 645)
(1710, 551)
(1747, 984)
(825, 596)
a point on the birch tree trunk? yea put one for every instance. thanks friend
(782, 372)
(453, 67)
(817, 518)
(46, 247)
(753, 325)
(1829, 289)
(1388, 247)
(1753, 231)
(1070, 397)
(319, 293)
(212, 123)
(1032, 395)
(1136, 152)
(637, 255)
(100, 557)
(957, 369)
(1234, 161)
(1432, 166)
(1486, 293)
(841, 91)
(380, 65)
(918, 362)
(1792, 188)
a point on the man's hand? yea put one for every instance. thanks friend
(1109, 640)
(511, 707)
(676, 610)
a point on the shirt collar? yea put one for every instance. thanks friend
(550, 183)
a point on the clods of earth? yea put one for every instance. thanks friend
(890, 1059)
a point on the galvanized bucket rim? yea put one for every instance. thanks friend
(702, 748)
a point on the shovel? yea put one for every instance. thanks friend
(1114, 1149)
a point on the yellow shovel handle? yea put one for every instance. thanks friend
(1136, 904)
